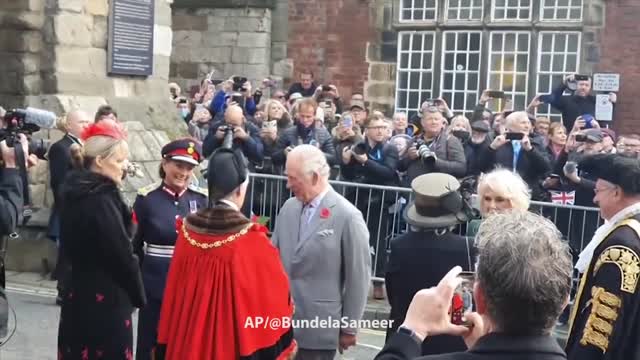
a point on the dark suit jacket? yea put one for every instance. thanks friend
(419, 260)
(490, 347)
(532, 165)
(59, 165)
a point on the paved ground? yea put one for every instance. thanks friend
(33, 300)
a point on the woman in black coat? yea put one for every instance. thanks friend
(96, 225)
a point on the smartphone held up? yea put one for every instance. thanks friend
(462, 301)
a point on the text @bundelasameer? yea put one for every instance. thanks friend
(275, 323)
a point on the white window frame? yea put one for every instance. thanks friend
(405, 107)
(527, 72)
(565, 72)
(465, 93)
(447, 8)
(493, 12)
(556, 7)
(413, 8)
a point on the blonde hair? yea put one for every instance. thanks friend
(84, 156)
(507, 184)
(267, 108)
(459, 119)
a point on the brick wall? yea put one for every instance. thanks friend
(620, 47)
(330, 37)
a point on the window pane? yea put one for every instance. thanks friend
(512, 10)
(555, 61)
(418, 10)
(414, 84)
(509, 68)
(561, 10)
(461, 79)
(465, 9)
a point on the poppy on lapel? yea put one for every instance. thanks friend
(324, 213)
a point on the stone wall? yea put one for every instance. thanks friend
(231, 41)
(330, 37)
(55, 57)
(618, 49)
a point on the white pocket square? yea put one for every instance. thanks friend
(325, 232)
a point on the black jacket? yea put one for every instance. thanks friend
(571, 106)
(97, 227)
(252, 147)
(11, 200)
(379, 169)
(291, 137)
(492, 346)
(418, 260)
(297, 88)
(532, 165)
(606, 325)
(59, 158)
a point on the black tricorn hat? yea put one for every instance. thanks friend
(226, 171)
(616, 169)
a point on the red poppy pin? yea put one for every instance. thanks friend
(324, 213)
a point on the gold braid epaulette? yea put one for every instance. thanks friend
(214, 244)
(626, 260)
(604, 312)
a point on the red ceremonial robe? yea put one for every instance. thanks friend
(223, 291)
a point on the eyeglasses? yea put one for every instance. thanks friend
(597, 191)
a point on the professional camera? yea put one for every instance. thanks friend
(238, 83)
(27, 121)
(227, 143)
(424, 152)
(359, 148)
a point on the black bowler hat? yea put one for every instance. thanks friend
(186, 150)
(227, 170)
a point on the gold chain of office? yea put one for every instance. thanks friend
(215, 244)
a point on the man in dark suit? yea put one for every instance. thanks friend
(605, 319)
(517, 151)
(522, 284)
(59, 164)
(429, 241)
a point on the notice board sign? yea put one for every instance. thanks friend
(606, 82)
(604, 108)
(130, 49)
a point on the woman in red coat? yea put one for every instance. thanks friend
(226, 284)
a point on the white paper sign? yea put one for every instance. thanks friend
(604, 108)
(606, 82)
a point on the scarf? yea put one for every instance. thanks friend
(587, 254)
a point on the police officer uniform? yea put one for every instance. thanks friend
(605, 319)
(156, 209)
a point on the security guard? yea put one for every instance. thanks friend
(156, 209)
(605, 319)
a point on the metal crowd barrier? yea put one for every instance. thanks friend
(382, 208)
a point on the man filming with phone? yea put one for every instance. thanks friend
(514, 150)
(579, 103)
(521, 285)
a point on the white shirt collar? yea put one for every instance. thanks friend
(231, 204)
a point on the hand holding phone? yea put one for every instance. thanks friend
(462, 301)
(514, 136)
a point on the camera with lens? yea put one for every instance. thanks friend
(424, 152)
(27, 121)
(359, 148)
(238, 83)
(227, 141)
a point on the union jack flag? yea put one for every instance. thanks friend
(563, 197)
